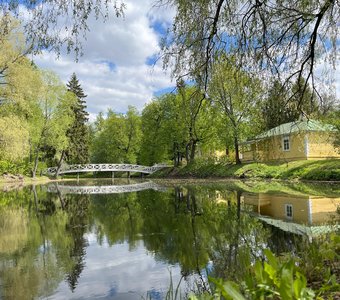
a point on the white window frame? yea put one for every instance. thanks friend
(289, 211)
(285, 138)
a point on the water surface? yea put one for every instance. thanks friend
(135, 239)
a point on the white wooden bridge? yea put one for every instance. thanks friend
(67, 169)
(104, 189)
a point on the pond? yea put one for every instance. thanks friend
(129, 239)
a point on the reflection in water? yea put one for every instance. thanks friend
(61, 245)
(102, 189)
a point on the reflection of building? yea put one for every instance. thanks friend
(291, 141)
(312, 210)
(293, 212)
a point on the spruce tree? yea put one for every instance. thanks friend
(78, 133)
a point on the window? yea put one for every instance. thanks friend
(289, 211)
(285, 143)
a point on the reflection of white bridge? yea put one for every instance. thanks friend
(105, 168)
(105, 189)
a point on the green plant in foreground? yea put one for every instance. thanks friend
(269, 279)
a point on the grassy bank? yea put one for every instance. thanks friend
(320, 170)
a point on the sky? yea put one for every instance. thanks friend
(118, 67)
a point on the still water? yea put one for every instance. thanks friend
(142, 240)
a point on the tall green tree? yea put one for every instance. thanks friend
(118, 138)
(78, 133)
(275, 110)
(282, 104)
(52, 119)
(236, 94)
(20, 87)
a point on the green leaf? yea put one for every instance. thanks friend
(271, 258)
(227, 289)
(286, 281)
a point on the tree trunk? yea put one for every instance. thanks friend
(59, 164)
(237, 155)
(36, 161)
(227, 151)
(187, 156)
(193, 150)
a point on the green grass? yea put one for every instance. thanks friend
(321, 170)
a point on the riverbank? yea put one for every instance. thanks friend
(312, 170)
(19, 180)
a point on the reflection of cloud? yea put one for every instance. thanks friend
(116, 272)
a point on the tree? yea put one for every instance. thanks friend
(52, 118)
(174, 126)
(14, 139)
(274, 107)
(284, 38)
(20, 86)
(118, 138)
(78, 133)
(236, 94)
(197, 117)
(154, 148)
(283, 104)
(54, 25)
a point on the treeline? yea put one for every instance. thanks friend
(178, 127)
(41, 119)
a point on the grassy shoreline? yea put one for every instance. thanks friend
(307, 171)
(312, 170)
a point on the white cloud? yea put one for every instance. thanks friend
(113, 71)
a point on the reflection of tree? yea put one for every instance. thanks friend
(236, 237)
(76, 208)
(186, 226)
(118, 217)
(46, 242)
(203, 229)
(281, 241)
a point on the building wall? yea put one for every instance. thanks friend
(311, 145)
(320, 146)
(305, 209)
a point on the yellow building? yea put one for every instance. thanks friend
(300, 140)
(301, 209)
(299, 214)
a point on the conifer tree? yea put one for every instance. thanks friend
(78, 151)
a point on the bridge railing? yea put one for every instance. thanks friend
(105, 167)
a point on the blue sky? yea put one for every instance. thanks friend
(119, 66)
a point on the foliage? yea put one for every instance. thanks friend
(235, 93)
(177, 126)
(269, 279)
(287, 277)
(14, 139)
(50, 25)
(274, 37)
(78, 149)
(52, 107)
(284, 104)
(117, 140)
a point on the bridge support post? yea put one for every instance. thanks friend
(78, 176)
(113, 175)
(128, 174)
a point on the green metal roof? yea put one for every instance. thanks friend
(300, 229)
(297, 126)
